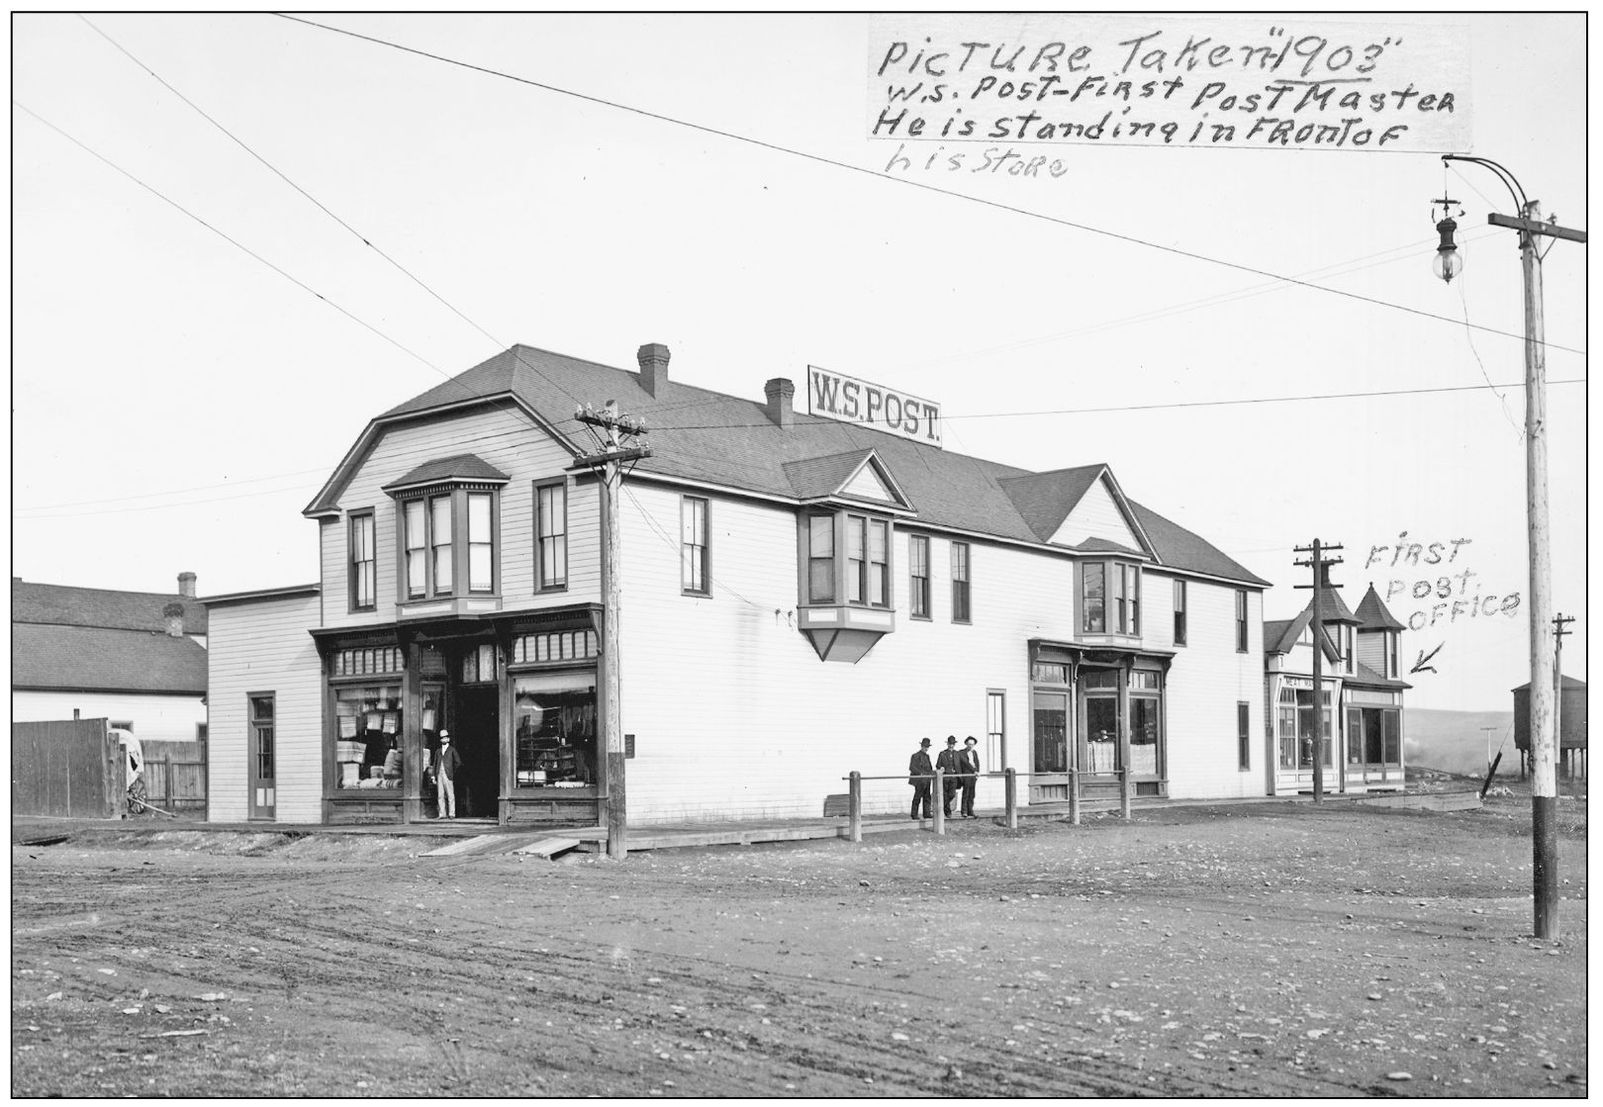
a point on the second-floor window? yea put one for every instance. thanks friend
(551, 535)
(435, 528)
(1241, 620)
(694, 555)
(364, 578)
(918, 580)
(1179, 612)
(847, 559)
(960, 583)
(1110, 598)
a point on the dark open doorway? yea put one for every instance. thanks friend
(476, 733)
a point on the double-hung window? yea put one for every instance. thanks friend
(363, 574)
(1179, 612)
(960, 583)
(867, 561)
(820, 559)
(918, 579)
(1241, 620)
(695, 558)
(551, 535)
(441, 576)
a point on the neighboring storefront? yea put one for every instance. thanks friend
(1355, 718)
(804, 596)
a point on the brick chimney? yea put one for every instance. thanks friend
(174, 614)
(781, 393)
(653, 357)
(186, 585)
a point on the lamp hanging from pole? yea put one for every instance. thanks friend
(1449, 262)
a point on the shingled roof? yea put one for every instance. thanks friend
(66, 605)
(467, 467)
(705, 436)
(1372, 613)
(104, 659)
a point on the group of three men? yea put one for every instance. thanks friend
(960, 769)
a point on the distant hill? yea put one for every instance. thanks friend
(1454, 741)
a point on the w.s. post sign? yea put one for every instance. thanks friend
(1260, 82)
(850, 400)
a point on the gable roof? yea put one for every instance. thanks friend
(1281, 635)
(816, 477)
(68, 605)
(104, 659)
(455, 467)
(1372, 613)
(1044, 500)
(702, 436)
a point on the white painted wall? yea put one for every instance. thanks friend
(1096, 516)
(735, 715)
(265, 647)
(504, 438)
(160, 717)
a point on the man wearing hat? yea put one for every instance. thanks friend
(918, 775)
(969, 760)
(950, 767)
(445, 777)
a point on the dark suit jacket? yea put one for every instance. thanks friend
(448, 761)
(919, 766)
(947, 762)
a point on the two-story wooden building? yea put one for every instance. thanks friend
(802, 596)
(1358, 720)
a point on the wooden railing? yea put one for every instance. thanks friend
(1010, 794)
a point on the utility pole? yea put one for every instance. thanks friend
(1544, 793)
(616, 436)
(1560, 621)
(1487, 730)
(1320, 563)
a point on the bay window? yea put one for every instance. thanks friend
(1110, 598)
(847, 560)
(438, 524)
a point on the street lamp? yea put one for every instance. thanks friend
(1449, 262)
(1544, 793)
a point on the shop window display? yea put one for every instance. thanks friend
(368, 745)
(554, 721)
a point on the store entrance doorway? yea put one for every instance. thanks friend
(476, 733)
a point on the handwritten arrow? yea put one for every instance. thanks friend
(1420, 666)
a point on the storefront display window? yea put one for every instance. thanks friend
(367, 748)
(554, 730)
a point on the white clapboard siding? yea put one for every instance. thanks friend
(161, 717)
(1206, 681)
(264, 646)
(734, 713)
(1096, 516)
(508, 440)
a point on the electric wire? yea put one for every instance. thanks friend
(225, 237)
(876, 175)
(675, 546)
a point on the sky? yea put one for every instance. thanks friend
(709, 182)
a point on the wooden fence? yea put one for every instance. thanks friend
(176, 785)
(66, 769)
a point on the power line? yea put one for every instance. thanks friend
(876, 175)
(226, 238)
(365, 240)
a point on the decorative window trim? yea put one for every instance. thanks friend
(357, 568)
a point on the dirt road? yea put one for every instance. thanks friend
(1264, 950)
